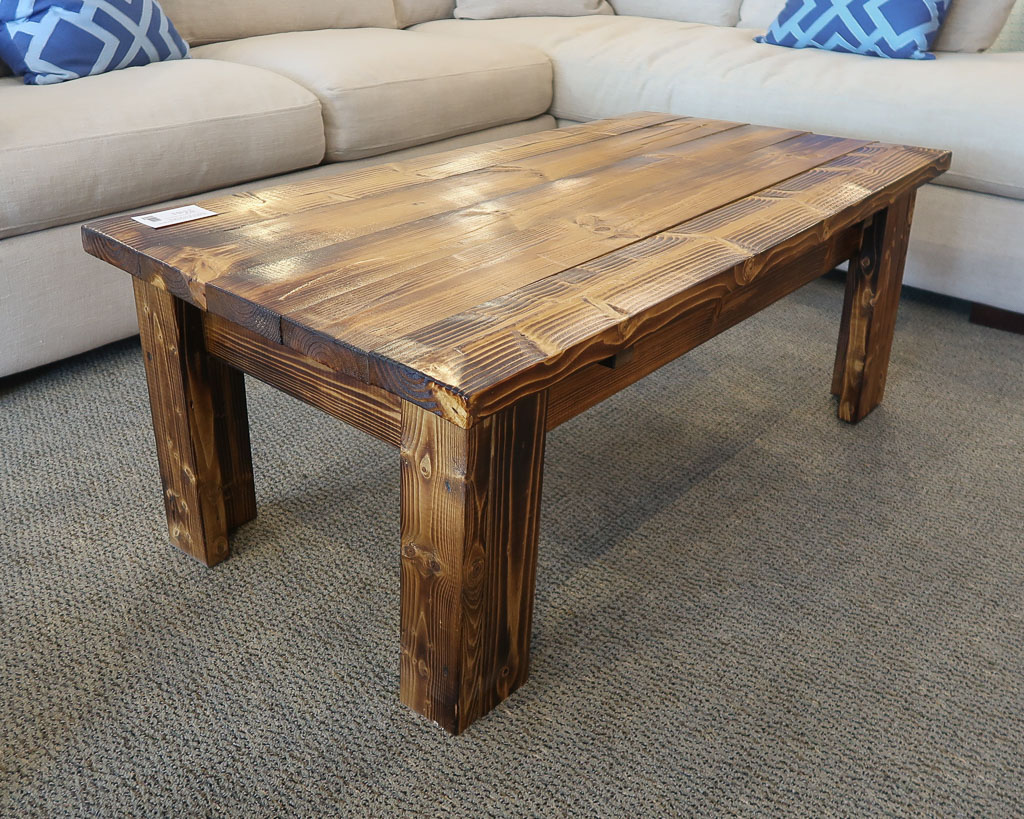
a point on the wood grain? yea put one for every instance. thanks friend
(470, 518)
(534, 234)
(869, 311)
(261, 227)
(201, 426)
(473, 363)
(368, 408)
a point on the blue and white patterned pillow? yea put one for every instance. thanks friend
(899, 29)
(50, 41)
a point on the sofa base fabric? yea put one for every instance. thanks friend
(967, 245)
(607, 66)
(57, 301)
(384, 90)
(80, 149)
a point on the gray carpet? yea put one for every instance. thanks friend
(743, 605)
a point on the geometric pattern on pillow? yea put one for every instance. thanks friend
(50, 41)
(898, 29)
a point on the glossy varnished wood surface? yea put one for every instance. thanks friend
(462, 282)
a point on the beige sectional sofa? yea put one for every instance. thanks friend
(368, 81)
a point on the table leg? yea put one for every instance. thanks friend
(869, 312)
(470, 515)
(201, 426)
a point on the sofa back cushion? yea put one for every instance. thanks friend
(411, 12)
(493, 9)
(759, 13)
(212, 21)
(712, 12)
(971, 25)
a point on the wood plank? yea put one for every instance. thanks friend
(471, 363)
(531, 236)
(872, 298)
(354, 229)
(253, 227)
(367, 408)
(425, 246)
(470, 519)
(200, 424)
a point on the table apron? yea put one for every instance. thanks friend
(703, 321)
(367, 408)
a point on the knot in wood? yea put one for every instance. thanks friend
(425, 467)
(424, 560)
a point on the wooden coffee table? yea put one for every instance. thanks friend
(458, 306)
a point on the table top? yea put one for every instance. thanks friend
(474, 276)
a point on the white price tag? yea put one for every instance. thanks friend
(164, 218)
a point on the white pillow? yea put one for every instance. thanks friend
(971, 25)
(491, 9)
(711, 12)
(411, 12)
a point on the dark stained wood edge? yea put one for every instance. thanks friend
(470, 520)
(713, 310)
(365, 407)
(997, 318)
(110, 250)
(200, 424)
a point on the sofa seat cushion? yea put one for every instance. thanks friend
(604, 66)
(382, 90)
(129, 138)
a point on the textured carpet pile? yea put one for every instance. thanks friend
(743, 605)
